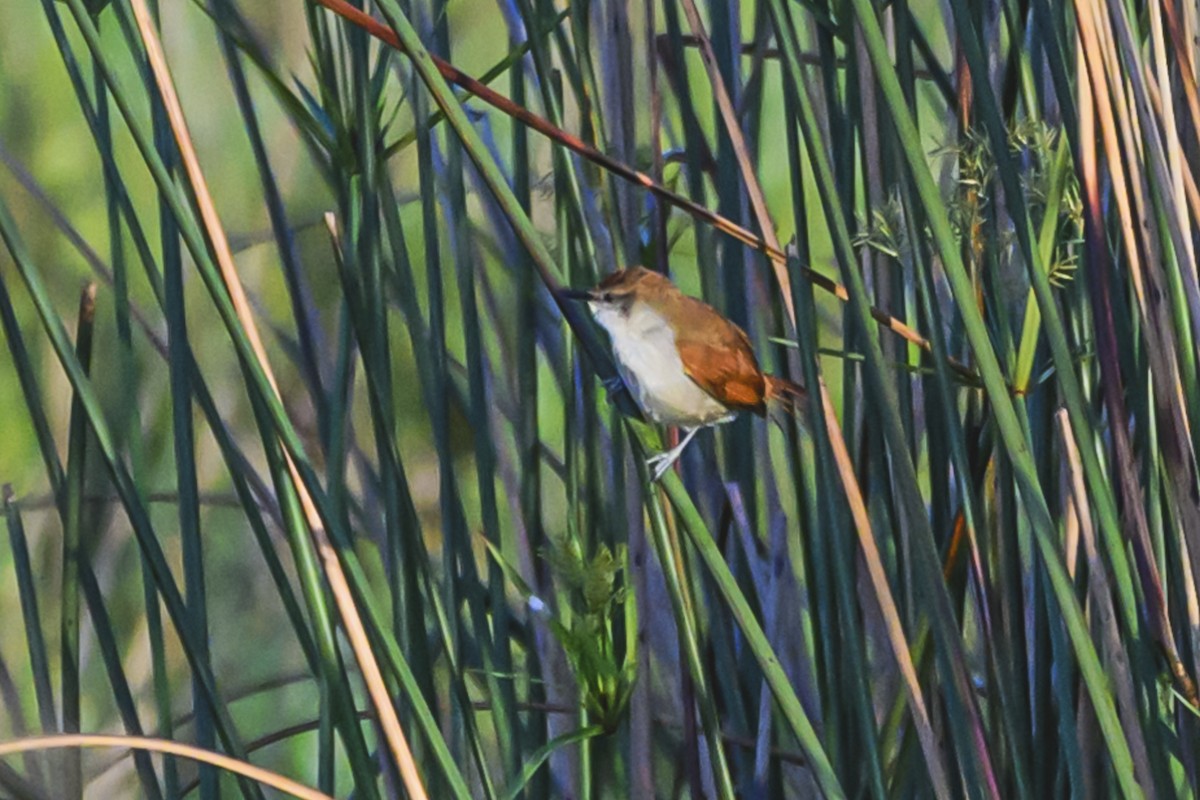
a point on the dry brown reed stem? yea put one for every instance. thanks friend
(352, 624)
(1095, 106)
(1101, 599)
(753, 188)
(1187, 74)
(498, 101)
(167, 747)
(1184, 171)
(1176, 159)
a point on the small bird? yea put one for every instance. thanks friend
(685, 364)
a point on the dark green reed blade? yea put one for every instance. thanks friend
(179, 354)
(21, 787)
(539, 757)
(528, 425)
(72, 551)
(39, 663)
(697, 150)
(816, 485)
(32, 395)
(456, 582)
(308, 330)
(408, 614)
(852, 690)
(110, 652)
(496, 652)
(683, 606)
(117, 202)
(755, 638)
(327, 662)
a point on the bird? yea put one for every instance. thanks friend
(685, 363)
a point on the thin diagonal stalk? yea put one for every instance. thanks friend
(39, 662)
(106, 638)
(684, 612)
(755, 637)
(450, 73)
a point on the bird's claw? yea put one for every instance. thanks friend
(665, 460)
(658, 465)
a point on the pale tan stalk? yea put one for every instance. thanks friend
(352, 624)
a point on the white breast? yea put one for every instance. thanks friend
(649, 362)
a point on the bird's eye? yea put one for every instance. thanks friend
(607, 297)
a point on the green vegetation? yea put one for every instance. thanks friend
(320, 474)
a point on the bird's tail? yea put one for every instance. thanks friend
(784, 397)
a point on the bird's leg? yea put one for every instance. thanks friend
(663, 461)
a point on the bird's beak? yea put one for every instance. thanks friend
(576, 294)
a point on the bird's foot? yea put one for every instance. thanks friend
(659, 464)
(662, 462)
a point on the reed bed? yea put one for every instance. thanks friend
(320, 486)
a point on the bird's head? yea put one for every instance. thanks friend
(612, 300)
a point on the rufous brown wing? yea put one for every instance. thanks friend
(717, 356)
